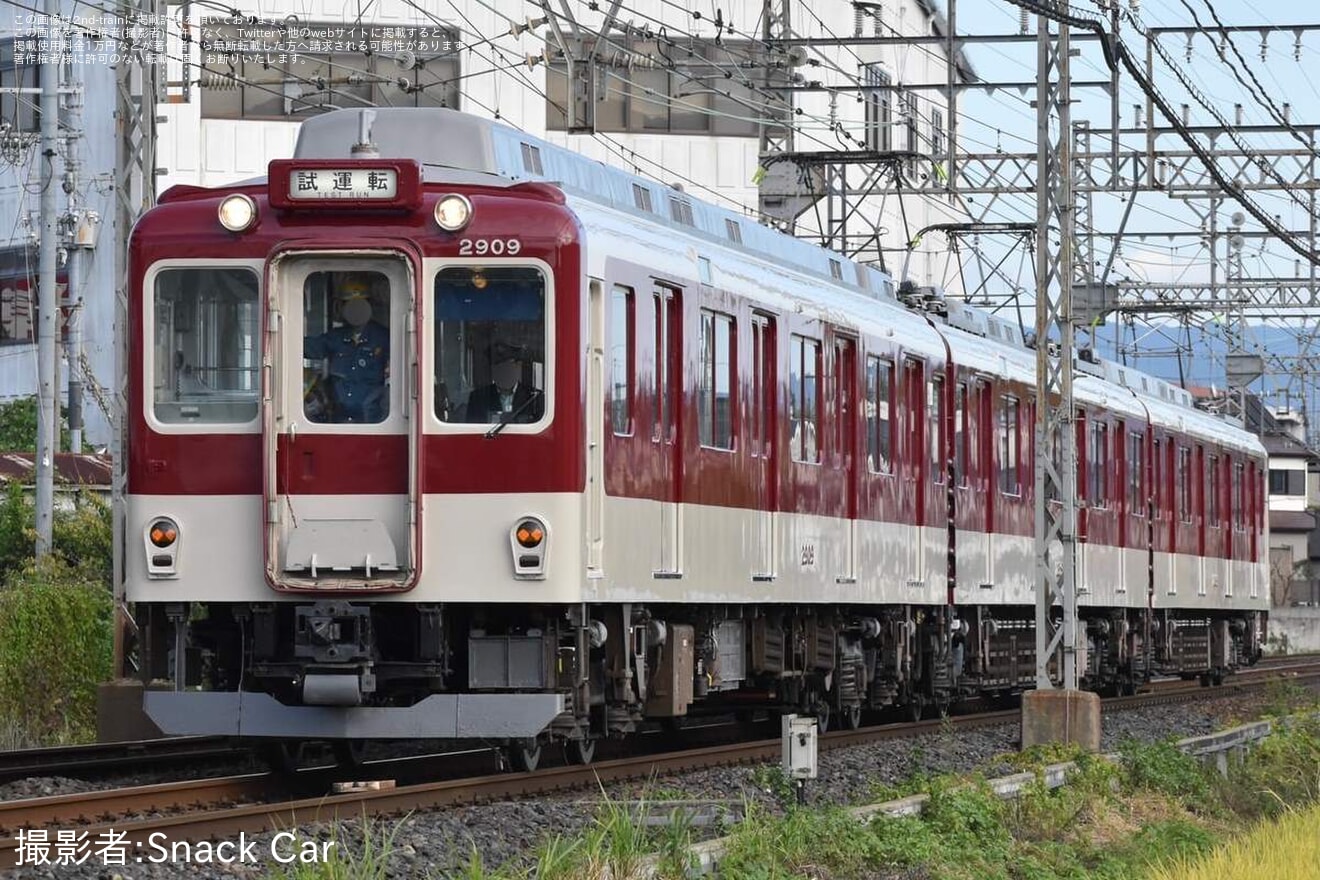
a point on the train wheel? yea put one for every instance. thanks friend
(852, 717)
(349, 753)
(916, 707)
(943, 706)
(1217, 677)
(580, 751)
(524, 755)
(822, 717)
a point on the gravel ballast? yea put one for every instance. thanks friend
(441, 841)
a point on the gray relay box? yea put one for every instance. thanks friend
(799, 746)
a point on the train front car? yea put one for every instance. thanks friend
(357, 445)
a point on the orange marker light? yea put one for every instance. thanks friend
(530, 534)
(163, 533)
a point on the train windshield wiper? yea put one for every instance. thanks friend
(506, 418)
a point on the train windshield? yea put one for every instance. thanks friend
(205, 354)
(490, 345)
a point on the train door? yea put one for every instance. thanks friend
(668, 423)
(339, 422)
(765, 390)
(845, 445)
(596, 429)
(915, 454)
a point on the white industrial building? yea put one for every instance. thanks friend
(679, 98)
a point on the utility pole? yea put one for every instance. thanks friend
(80, 236)
(1065, 714)
(47, 295)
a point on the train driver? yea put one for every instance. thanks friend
(507, 397)
(359, 353)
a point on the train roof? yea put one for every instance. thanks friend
(456, 147)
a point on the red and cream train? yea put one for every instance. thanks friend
(627, 456)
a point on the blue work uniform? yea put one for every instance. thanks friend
(358, 358)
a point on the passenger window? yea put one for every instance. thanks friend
(206, 345)
(804, 399)
(935, 412)
(490, 345)
(715, 383)
(346, 347)
(763, 384)
(622, 360)
(879, 415)
(1009, 480)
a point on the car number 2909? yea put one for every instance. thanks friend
(494, 247)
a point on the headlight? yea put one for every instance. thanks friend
(238, 212)
(453, 212)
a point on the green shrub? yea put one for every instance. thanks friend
(1282, 770)
(17, 535)
(1163, 768)
(55, 648)
(80, 536)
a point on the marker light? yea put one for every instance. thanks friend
(238, 212)
(453, 212)
(530, 534)
(163, 533)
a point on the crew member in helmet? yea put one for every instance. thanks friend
(359, 354)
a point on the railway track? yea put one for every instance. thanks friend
(93, 758)
(222, 808)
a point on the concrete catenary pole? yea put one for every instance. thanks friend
(47, 296)
(80, 231)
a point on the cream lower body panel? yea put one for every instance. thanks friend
(723, 555)
(1202, 583)
(467, 554)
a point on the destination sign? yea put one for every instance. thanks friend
(359, 184)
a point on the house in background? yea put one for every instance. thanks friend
(74, 473)
(1294, 542)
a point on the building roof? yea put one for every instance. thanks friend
(1282, 444)
(74, 469)
(1291, 521)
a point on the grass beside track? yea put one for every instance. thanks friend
(1288, 849)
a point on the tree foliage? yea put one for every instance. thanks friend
(18, 426)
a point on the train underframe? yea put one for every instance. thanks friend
(619, 667)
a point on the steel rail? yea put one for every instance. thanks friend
(99, 757)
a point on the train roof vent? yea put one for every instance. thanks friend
(970, 320)
(531, 156)
(680, 211)
(642, 198)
